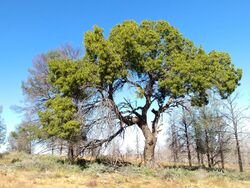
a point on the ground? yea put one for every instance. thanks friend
(22, 170)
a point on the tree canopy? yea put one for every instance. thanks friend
(155, 59)
(58, 118)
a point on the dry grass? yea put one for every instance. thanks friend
(25, 171)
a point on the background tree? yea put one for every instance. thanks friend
(211, 132)
(37, 90)
(58, 120)
(186, 122)
(2, 129)
(24, 137)
(235, 117)
(174, 138)
(157, 63)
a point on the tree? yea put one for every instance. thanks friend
(24, 137)
(38, 90)
(186, 121)
(2, 129)
(174, 145)
(198, 138)
(155, 62)
(235, 115)
(58, 120)
(211, 132)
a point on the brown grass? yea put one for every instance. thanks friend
(66, 176)
(30, 179)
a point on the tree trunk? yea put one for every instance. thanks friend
(137, 145)
(30, 147)
(149, 151)
(174, 143)
(61, 149)
(198, 157)
(202, 161)
(198, 145)
(207, 149)
(71, 152)
(222, 159)
(188, 145)
(238, 151)
(221, 149)
(149, 147)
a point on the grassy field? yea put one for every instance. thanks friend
(22, 170)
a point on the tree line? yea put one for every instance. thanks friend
(209, 134)
(80, 102)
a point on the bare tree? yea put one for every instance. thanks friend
(174, 138)
(37, 90)
(235, 116)
(186, 121)
(2, 128)
(137, 143)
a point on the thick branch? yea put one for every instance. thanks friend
(97, 143)
(148, 94)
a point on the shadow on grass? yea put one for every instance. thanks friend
(108, 162)
(192, 168)
(114, 163)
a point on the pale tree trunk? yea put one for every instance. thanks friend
(137, 144)
(222, 159)
(202, 160)
(207, 149)
(235, 116)
(238, 151)
(221, 149)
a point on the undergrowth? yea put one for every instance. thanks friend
(42, 163)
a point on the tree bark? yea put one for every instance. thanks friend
(207, 149)
(198, 157)
(202, 160)
(198, 144)
(222, 159)
(221, 149)
(71, 155)
(61, 148)
(188, 144)
(149, 147)
(238, 151)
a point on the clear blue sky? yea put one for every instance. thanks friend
(30, 27)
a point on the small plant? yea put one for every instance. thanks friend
(15, 160)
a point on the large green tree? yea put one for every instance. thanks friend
(59, 119)
(38, 90)
(154, 61)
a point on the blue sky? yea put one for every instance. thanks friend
(30, 27)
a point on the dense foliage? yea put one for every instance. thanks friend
(154, 58)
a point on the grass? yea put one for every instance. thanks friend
(23, 170)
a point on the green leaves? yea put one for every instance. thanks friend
(70, 77)
(100, 52)
(59, 118)
(153, 57)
